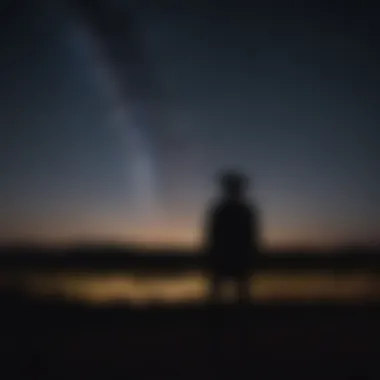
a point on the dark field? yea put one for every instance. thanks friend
(262, 341)
(56, 338)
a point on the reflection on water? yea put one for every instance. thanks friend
(111, 287)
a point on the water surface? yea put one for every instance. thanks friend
(101, 288)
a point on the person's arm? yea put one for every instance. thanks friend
(209, 233)
(256, 231)
(253, 230)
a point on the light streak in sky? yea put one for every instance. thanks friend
(163, 164)
(139, 157)
(159, 160)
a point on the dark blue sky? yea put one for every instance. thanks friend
(290, 95)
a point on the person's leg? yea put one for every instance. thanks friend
(215, 325)
(245, 325)
(216, 288)
(243, 289)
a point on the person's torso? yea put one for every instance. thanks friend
(232, 227)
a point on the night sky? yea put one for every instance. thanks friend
(102, 140)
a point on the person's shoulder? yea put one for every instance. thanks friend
(250, 208)
(215, 207)
(223, 209)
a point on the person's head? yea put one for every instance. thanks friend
(233, 184)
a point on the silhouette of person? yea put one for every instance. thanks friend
(232, 236)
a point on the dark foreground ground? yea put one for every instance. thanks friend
(56, 341)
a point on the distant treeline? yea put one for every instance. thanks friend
(129, 258)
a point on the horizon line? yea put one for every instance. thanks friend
(184, 247)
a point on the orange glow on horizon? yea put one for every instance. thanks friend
(181, 233)
(161, 236)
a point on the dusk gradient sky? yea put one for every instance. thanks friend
(290, 95)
